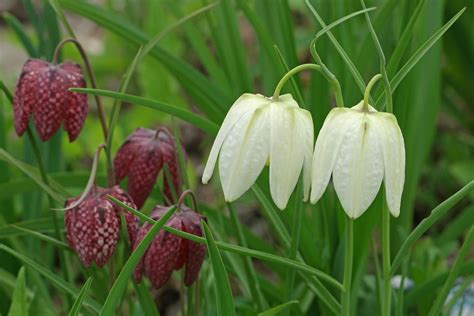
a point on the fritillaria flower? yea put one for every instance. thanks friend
(360, 147)
(169, 252)
(257, 131)
(141, 158)
(42, 90)
(92, 227)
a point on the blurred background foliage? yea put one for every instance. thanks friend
(205, 64)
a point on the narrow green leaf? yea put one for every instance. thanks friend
(114, 298)
(209, 96)
(52, 277)
(277, 309)
(19, 305)
(60, 14)
(185, 115)
(145, 298)
(455, 270)
(420, 52)
(225, 301)
(240, 250)
(34, 176)
(437, 213)
(76, 307)
(20, 32)
(345, 57)
(42, 237)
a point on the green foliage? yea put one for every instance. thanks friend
(158, 60)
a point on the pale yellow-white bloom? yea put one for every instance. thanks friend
(258, 130)
(360, 149)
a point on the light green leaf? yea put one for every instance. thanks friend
(19, 305)
(114, 298)
(76, 307)
(225, 301)
(196, 120)
(277, 309)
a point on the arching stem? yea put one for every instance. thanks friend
(290, 73)
(365, 106)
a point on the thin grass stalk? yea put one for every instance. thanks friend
(348, 257)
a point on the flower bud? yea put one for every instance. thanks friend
(42, 90)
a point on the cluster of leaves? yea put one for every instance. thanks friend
(207, 59)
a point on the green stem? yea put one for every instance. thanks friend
(347, 283)
(386, 261)
(253, 282)
(330, 77)
(365, 106)
(54, 218)
(295, 242)
(290, 73)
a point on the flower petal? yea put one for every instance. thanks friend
(358, 171)
(306, 134)
(244, 153)
(245, 104)
(393, 149)
(327, 149)
(287, 154)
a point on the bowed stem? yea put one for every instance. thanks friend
(290, 73)
(347, 282)
(365, 105)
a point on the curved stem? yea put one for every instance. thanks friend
(100, 108)
(290, 73)
(328, 74)
(386, 261)
(183, 196)
(347, 283)
(365, 106)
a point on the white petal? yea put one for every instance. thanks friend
(286, 152)
(358, 172)
(246, 103)
(393, 150)
(305, 132)
(244, 153)
(327, 147)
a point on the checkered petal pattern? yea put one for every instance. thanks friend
(141, 158)
(42, 90)
(169, 252)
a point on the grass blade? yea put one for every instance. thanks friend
(53, 278)
(194, 119)
(18, 29)
(455, 270)
(426, 223)
(42, 237)
(241, 250)
(19, 305)
(76, 307)
(225, 301)
(116, 292)
(277, 309)
(415, 58)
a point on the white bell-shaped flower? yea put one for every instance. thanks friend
(259, 130)
(360, 148)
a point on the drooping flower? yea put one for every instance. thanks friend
(42, 90)
(92, 227)
(169, 252)
(360, 148)
(141, 157)
(258, 130)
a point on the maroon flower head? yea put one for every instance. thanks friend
(43, 90)
(141, 158)
(169, 252)
(92, 227)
